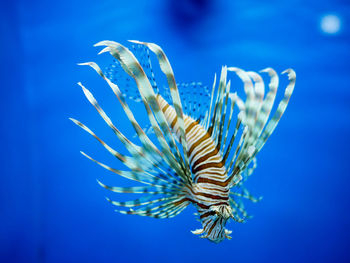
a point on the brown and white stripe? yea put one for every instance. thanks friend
(209, 173)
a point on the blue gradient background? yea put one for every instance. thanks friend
(51, 208)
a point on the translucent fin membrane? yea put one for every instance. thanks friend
(195, 99)
(116, 73)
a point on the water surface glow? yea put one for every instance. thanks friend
(330, 24)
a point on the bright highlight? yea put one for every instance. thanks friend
(330, 24)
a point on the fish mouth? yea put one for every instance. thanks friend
(214, 230)
(216, 240)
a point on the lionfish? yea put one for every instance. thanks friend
(193, 160)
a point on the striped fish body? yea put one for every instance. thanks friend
(209, 191)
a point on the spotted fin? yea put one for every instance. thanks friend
(195, 98)
(116, 73)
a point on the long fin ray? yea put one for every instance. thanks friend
(116, 74)
(141, 177)
(150, 151)
(124, 159)
(138, 189)
(132, 67)
(257, 116)
(168, 71)
(208, 123)
(280, 109)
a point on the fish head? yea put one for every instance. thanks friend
(214, 221)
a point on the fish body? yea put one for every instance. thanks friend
(208, 192)
(200, 156)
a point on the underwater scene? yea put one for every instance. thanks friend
(175, 131)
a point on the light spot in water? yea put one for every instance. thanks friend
(330, 24)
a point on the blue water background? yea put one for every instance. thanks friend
(51, 208)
